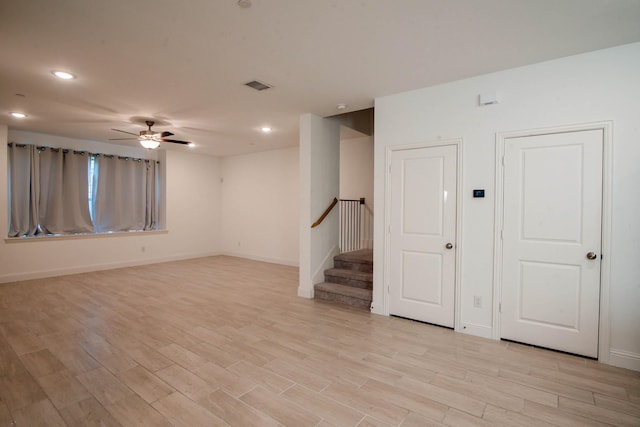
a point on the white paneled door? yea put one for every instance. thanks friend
(552, 240)
(423, 234)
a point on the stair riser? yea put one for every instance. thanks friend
(343, 299)
(354, 283)
(354, 266)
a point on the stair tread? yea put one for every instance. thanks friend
(364, 256)
(335, 288)
(350, 274)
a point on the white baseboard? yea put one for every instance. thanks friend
(305, 292)
(624, 359)
(280, 261)
(377, 308)
(32, 275)
(476, 330)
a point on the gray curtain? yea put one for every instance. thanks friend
(64, 192)
(151, 208)
(23, 190)
(119, 194)
(48, 192)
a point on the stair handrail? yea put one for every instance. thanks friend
(325, 213)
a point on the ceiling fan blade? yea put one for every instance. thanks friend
(122, 139)
(166, 134)
(124, 131)
(175, 141)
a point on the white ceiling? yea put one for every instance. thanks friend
(185, 62)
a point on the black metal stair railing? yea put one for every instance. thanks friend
(355, 225)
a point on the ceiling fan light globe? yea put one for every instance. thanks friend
(149, 143)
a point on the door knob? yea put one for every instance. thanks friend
(591, 255)
(449, 245)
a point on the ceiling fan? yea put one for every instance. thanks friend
(150, 138)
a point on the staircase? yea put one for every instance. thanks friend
(350, 281)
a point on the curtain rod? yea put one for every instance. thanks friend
(67, 150)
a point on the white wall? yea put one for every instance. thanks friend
(192, 218)
(356, 169)
(597, 86)
(319, 184)
(260, 206)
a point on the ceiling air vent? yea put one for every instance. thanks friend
(258, 85)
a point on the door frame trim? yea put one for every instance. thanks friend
(458, 143)
(604, 331)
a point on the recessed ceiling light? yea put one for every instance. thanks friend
(191, 145)
(341, 106)
(265, 129)
(18, 115)
(63, 75)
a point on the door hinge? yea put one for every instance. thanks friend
(389, 167)
(499, 307)
(501, 234)
(502, 160)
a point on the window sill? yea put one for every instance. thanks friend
(83, 236)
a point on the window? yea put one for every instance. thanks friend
(59, 192)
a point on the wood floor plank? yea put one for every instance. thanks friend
(294, 373)
(284, 411)
(515, 389)
(234, 411)
(88, 413)
(219, 377)
(600, 414)
(580, 381)
(183, 357)
(76, 360)
(480, 392)
(104, 386)
(41, 363)
(549, 386)
(458, 418)
(63, 388)
(504, 417)
(214, 354)
(148, 357)
(6, 419)
(366, 402)
(443, 396)
(145, 384)
(619, 405)
(414, 401)
(134, 411)
(41, 413)
(372, 422)
(10, 363)
(414, 419)
(558, 416)
(265, 378)
(329, 409)
(19, 390)
(183, 412)
(185, 381)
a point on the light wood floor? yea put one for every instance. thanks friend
(221, 340)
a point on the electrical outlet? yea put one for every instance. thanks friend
(477, 301)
